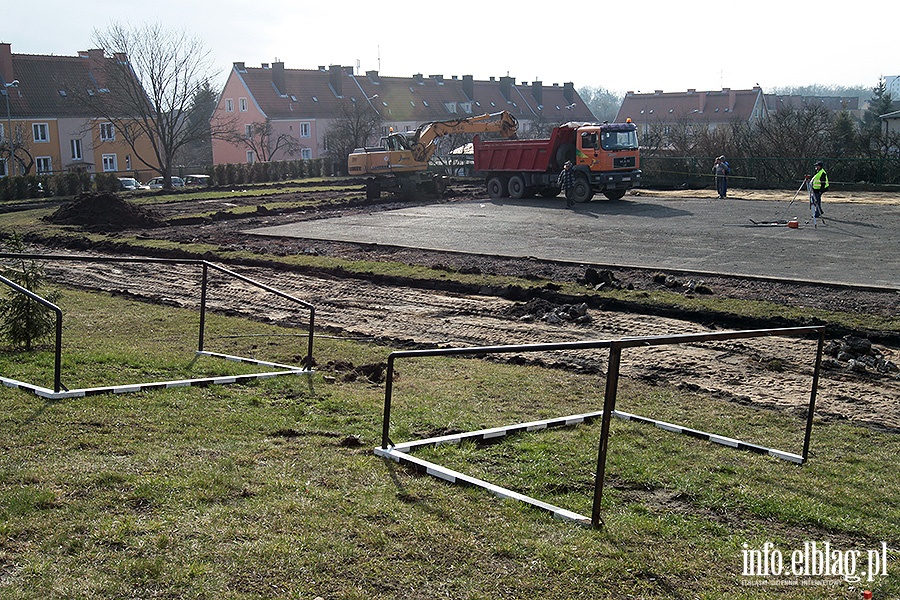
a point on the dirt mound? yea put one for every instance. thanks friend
(104, 212)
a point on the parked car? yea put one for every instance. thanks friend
(157, 182)
(196, 180)
(131, 184)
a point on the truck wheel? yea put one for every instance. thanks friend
(496, 188)
(614, 194)
(582, 191)
(517, 187)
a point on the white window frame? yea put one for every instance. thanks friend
(305, 129)
(43, 164)
(107, 132)
(242, 104)
(229, 105)
(110, 163)
(41, 132)
(306, 153)
(248, 131)
(75, 146)
(251, 157)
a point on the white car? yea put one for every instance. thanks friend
(196, 180)
(157, 182)
(130, 184)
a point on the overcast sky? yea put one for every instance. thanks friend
(638, 46)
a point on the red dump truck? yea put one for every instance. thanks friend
(605, 157)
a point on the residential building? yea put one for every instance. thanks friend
(53, 129)
(892, 86)
(656, 113)
(849, 104)
(891, 123)
(302, 103)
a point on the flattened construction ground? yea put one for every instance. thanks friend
(855, 243)
(859, 244)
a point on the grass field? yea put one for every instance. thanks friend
(272, 490)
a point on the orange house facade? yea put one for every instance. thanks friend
(50, 130)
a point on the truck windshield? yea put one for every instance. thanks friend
(619, 140)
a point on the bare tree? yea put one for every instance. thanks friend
(147, 91)
(16, 151)
(356, 126)
(259, 137)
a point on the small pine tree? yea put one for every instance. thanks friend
(23, 322)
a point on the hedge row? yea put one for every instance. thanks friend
(72, 184)
(263, 172)
(64, 184)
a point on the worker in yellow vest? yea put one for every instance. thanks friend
(819, 186)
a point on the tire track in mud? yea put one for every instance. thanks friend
(739, 370)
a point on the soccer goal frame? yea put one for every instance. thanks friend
(402, 453)
(59, 391)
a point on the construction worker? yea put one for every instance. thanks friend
(567, 183)
(819, 186)
(721, 168)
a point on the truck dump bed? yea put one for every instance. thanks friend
(515, 155)
(520, 155)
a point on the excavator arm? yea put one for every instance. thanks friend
(402, 153)
(423, 146)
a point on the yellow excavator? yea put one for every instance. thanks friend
(400, 162)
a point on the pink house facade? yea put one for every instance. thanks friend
(302, 103)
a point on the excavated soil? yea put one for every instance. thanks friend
(859, 379)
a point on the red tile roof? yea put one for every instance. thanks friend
(319, 93)
(43, 81)
(713, 107)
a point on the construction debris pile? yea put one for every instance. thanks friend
(857, 354)
(539, 309)
(103, 211)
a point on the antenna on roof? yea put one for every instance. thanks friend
(379, 59)
(357, 66)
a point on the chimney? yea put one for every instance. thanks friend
(373, 76)
(6, 68)
(537, 92)
(265, 66)
(437, 78)
(569, 92)
(468, 87)
(278, 77)
(418, 78)
(334, 78)
(240, 67)
(95, 58)
(506, 84)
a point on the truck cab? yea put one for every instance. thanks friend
(608, 155)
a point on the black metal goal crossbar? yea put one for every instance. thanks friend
(402, 452)
(59, 390)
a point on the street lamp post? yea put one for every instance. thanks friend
(12, 84)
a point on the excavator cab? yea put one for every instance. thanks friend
(396, 141)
